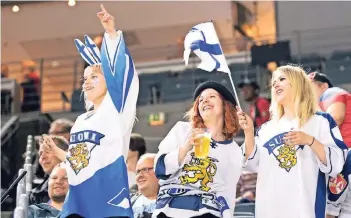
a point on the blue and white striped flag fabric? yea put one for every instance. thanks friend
(203, 41)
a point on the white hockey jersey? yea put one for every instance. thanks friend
(99, 143)
(339, 192)
(197, 186)
(291, 182)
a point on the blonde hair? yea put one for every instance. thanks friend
(304, 97)
(96, 69)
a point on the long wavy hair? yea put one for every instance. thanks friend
(303, 96)
(231, 122)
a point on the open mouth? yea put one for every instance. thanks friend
(278, 91)
(207, 107)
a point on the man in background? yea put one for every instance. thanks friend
(137, 147)
(61, 127)
(144, 201)
(259, 106)
(57, 191)
(335, 101)
(47, 161)
(31, 87)
(4, 71)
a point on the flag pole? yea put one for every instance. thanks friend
(235, 93)
(230, 73)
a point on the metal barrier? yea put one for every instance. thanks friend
(24, 186)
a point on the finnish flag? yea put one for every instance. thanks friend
(203, 41)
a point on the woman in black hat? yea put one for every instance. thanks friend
(194, 185)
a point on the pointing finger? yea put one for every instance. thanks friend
(103, 8)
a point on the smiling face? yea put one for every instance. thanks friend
(282, 89)
(146, 178)
(58, 184)
(94, 84)
(210, 104)
(47, 160)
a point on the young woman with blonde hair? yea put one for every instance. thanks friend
(99, 139)
(294, 152)
(201, 186)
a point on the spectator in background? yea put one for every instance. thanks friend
(246, 187)
(58, 188)
(61, 127)
(6, 95)
(259, 106)
(339, 192)
(335, 101)
(4, 71)
(144, 201)
(259, 113)
(30, 86)
(47, 161)
(137, 147)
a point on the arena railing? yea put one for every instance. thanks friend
(24, 186)
(61, 76)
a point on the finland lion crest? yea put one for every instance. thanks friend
(284, 154)
(79, 157)
(82, 144)
(203, 170)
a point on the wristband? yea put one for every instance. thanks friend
(312, 142)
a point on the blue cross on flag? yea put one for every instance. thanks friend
(203, 41)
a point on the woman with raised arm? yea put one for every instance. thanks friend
(294, 152)
(198, 162)
(99, 140)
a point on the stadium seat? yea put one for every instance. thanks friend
(245, 208)
(243, 215)
(77, 102)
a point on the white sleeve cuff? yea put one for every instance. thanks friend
(334, 162)
(111, 44)
(251, 156)
(333, 210)
(325, 168)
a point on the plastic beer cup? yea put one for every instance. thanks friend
(203, 148)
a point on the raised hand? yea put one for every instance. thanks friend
(107, 20)
(49, 145)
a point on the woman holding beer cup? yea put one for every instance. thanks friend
(294, 152)
(198, 162)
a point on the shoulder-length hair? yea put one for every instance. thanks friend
(88, 104)
(304, 97)
(231, 122)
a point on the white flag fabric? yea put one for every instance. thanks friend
(203, 41)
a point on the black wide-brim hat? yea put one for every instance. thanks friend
(227, 95)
